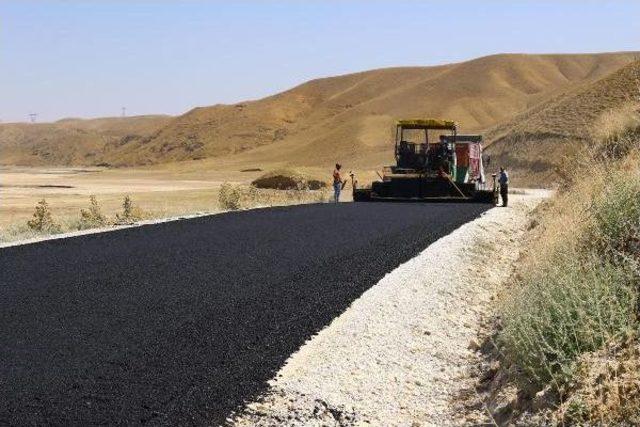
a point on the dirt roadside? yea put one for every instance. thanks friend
(403, 352)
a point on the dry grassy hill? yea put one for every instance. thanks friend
(350, 117)
(346, 117)
(73, 141)
(539, 141)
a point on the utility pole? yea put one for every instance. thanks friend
(33, 117)
(124, 111)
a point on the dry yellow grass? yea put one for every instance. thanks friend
(162, 191)
(570, 321)
(617, 123)
(606, 388)
(157, 193)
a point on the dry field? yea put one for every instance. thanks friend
(162, 191)
(68, 189)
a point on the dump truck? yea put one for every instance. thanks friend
(433, 163)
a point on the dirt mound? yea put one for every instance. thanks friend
(539, 141)
(288, 179)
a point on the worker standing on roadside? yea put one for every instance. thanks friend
(337, 182)
(503, 179)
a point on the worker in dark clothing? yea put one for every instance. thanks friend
(503, 180)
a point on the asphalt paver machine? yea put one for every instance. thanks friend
(433, 163)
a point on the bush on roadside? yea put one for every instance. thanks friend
(573, 306)
(616, 214)
(578, 286)
(130, 213)
(229, 197)
(18, 231)
(42, 220)
(92, 217)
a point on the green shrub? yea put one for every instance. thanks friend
(581, 291)
(42, 220)
(575, 305)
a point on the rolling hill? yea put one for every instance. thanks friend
(72, 141)
(346, 117)
(537, 142)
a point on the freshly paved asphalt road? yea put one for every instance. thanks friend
(179, 323)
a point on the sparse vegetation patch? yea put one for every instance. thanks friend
(234, 197)
(130, 213)
(42, 220)
(576, 293)
(92, 217)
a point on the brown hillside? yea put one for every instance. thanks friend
(72, 141)
(350, 117)
(346, 117)
(538, 141)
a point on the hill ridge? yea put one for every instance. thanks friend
(534, 141)
(347, 116)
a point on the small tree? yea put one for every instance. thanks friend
(130, 213)
(93, 216)
(42, 219)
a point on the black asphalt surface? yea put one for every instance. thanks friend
(179, 323)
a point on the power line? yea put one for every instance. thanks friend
(124, 111)
(33, 117)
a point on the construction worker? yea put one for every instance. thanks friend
(337, 182)
(503, 180)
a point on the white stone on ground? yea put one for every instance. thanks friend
(400, 354)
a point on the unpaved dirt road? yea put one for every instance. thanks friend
(181, 322)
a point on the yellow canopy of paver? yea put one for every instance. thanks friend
(427, 124)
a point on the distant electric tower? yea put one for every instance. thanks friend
(124, 111)
(33, 117)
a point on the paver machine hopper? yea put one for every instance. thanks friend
(440, 166)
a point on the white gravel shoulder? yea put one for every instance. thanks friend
(400, 354)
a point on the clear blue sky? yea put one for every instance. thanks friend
(87, 59)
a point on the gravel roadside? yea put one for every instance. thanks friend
(402, 352)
